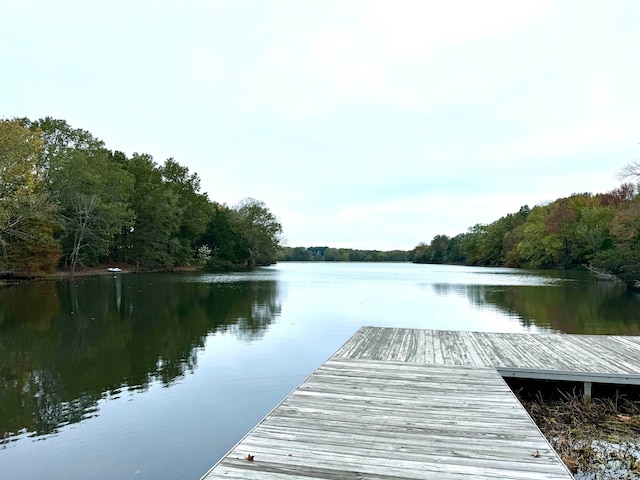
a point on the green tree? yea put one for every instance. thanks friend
(455, 253)
(27, 215)
(300, 254)
(259, 230)
(331, 255)
(94, 195)
(623, 258)
(60, 139)
(227, 247)
(514, 236)
(245, 236)
(194, 208)
(317, 253)
(152, 241)
(538, 249)
(438, 248)
(593, 227)
(492, 241)
(472, 246)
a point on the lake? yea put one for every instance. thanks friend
(158, 375)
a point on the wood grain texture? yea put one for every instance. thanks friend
(424, 404)
(594, 358)
(384, 420)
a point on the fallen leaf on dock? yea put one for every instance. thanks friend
(249, 457)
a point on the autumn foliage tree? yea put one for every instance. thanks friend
(599, 231)
(27, 215)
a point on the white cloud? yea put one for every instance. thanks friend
(598, 131)
(378, 53)
(345, 58)
(369, 124)
(600, 93)
(411, 29)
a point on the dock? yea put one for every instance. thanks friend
(396, 404)
(588, 359)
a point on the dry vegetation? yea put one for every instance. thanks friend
(599, 440)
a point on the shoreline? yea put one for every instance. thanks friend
(16, 277)
(598, 440)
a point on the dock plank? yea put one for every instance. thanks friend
(388, 420)
(611, 359)
(397, 403)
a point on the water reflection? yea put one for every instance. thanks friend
(577, 305)
(66, 345)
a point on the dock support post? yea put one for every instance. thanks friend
(587, 392)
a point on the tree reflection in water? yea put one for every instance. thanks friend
(585, 307)
(66, 345)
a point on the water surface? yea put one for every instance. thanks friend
(159, 375)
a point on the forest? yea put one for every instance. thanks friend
(597, 231)
(68, 202)
(327, 254)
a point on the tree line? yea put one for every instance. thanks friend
(327, 254)
(599, 231)
(66, 201)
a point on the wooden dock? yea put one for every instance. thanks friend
(581, 358)
(421, 404)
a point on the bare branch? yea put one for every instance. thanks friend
(630, 170)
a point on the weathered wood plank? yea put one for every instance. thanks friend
(538, 352)
(410, 403)
(387, 420)
(429, 346)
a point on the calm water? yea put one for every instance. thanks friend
(158, 376)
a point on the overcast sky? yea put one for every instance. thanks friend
(360, 124)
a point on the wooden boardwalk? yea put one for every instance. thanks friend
(582, 358)
(421, 404)
(377, 420)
